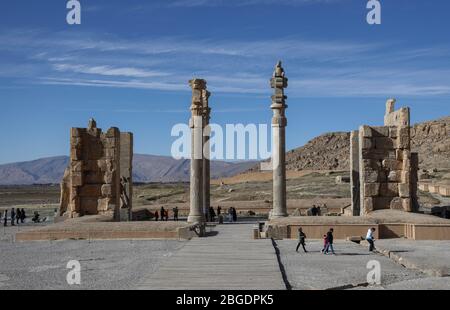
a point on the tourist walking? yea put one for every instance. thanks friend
(325, 242)
(301, 240)
(234, 215)
(175, 214)
(13, 217)
(219, 210)
(371, 239)
(314, 211)
(330, 238)
(5, 218)
(230, 214)
(156, 216)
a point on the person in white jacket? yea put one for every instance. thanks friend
(371, 239)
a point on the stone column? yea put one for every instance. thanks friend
(206, 153)
(279, 123)
(195, 123)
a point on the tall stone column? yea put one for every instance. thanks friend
(279, 122)
(206, 153)
(196, 124)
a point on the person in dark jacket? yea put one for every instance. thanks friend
(18, 216)
(234, 215)
(212, 214)
(23, 216)
(301, 240)
(329, 242)
(13, 217)
(175, 213)
(219, 210)
(5, 218)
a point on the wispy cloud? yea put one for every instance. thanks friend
(315, 68)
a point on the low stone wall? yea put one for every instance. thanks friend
(429, 232)
(108, 231)
(388, 225)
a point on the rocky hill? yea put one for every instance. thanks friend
(331, 151)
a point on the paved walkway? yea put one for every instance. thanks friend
(231, 259)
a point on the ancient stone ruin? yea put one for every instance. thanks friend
(200, 164)
(279, 122)
(383, 169)
(99, 177)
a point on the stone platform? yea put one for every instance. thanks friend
(101, 228)
(388, 224)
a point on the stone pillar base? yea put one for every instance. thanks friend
(192, 219)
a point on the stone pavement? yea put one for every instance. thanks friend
(345, 270)
(430, 257)
(227, 260)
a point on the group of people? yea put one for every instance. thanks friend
(164, 214)
(328, 240)
(16, 216)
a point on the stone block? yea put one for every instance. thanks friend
(371, 164)
(93, 177)
(382, 131)
(113, 132)
(366, 131)
(388, 189)
(368, 205)
(107, 190)
(76, 179)
(367, 143)
(405, 177)
(392, 164)
(407, 204)
(378, 154)
(90, 165)
(395, 176)
(404, 190)
(381, 203)
(396, 204)
(371, 189)
(371, 176)
(76, 167)
(393, 132)
(76, 132)
(110, 153)
(404, 138)
(76, 154)
(90, 190)
(384, 143)
(108, 177)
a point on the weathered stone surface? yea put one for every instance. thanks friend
(404, 190)
(371, 189)
(279, 82)
(396, 204)
(92, 182)
(392, 164)
(388, 171)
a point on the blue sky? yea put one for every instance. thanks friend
(128, 64)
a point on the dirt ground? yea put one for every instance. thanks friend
(245, 192)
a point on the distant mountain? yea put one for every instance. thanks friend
(146, 168)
